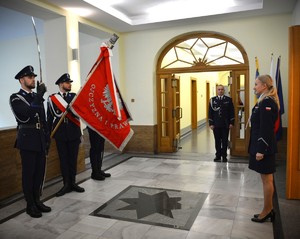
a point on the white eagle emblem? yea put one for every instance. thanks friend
(108, 104)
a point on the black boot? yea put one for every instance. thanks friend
(75, 187)
(99, 164)
(65, 189)
(106, 175)
(33, 211)
(40, 205)
(97, 176)
(31, 208)
(96, 166)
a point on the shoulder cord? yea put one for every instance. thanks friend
(25, 101)
(214, 108)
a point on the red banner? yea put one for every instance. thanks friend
(100, 105)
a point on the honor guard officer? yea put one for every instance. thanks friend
(97, 144)
(67, 134)
(221, 119)
(32, 138)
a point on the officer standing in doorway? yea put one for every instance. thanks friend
(221, 119)
(32, 138)
(67, 135)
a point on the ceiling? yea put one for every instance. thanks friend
(135, 15)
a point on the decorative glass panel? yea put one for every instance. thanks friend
(202, 51)
(169, 58)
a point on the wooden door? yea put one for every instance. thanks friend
(194, 109)
(169, 113)
(239, 91)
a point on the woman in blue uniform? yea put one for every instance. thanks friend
(262, 146)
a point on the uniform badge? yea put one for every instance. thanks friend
(268, 108)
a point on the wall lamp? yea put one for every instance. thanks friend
(75, 54)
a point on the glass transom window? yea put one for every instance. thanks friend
(205, 51)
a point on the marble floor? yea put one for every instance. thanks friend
(217, 200)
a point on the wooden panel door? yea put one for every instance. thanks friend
(239, 135)
(169, 113)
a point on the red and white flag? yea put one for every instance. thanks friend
(100, 105)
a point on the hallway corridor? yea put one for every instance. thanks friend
(184, 195)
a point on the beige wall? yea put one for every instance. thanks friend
(139, 51)
(260, 37)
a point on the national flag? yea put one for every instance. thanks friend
(257, 68)
(280, 96)
(256, 75)
(272, 69)
(100, 105)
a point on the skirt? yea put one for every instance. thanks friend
(264, 166)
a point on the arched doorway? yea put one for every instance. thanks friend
(194, 53)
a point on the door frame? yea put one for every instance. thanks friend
(201, 65)
(169, 113)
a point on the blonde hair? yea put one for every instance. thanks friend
(271, 92)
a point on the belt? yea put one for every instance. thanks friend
(30, 126)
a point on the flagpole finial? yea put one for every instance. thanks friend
(112, 40)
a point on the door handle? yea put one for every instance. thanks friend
(180, 112)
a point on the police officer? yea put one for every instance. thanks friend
(67, 135)
(221, 119)
(96, 155)
(32, 138)
(262, 145)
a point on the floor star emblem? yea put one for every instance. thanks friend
(146, 204)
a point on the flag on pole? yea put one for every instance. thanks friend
(256, 75)
(280, 96)
(100, 105)
(257, 68)
(272, 69)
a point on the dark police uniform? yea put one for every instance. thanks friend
(221, 115)
(67, 139)
(262, 136)
(96, 155)
(32, 141)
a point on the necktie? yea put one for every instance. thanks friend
(64, 95)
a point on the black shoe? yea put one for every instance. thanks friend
(217, 159)
(257, 215)
(77, 188)
(270, 215)
(65, 189)
(33, 211)
(224, 159)
(42, 207)
(97, 176)
(107, 175)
